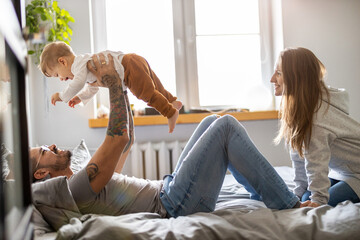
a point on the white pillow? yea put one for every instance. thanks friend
(80, 157)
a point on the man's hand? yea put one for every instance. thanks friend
(55, 98)
(103, 71)
(74, 101)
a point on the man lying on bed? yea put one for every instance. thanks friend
(218, 144)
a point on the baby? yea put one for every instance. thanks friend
(58, 60)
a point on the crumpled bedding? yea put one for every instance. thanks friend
(325, 222)
(235, 217)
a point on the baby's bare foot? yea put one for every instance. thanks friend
(177, 104)
(172, 121)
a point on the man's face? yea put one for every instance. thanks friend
(52, 159)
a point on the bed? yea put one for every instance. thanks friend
(236, 217)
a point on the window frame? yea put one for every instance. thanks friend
(187, 88)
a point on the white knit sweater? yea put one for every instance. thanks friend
(334, 150)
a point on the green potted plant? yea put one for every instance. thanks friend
(46, 22)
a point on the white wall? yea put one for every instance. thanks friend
(61, 124)
(328, 27)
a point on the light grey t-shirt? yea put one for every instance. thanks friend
(122, 195)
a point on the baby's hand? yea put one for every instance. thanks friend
(75, 100)
(55, 98)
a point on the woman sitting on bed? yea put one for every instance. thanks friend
(316, 125)
(218, 144)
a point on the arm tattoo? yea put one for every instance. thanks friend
(92, 171)
(118, 120)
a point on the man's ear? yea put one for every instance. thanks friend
(41, 173)
(62, 61)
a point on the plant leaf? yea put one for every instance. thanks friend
(55, 4)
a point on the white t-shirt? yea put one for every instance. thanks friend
(78, 87)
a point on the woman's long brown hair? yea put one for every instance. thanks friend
(303, 76)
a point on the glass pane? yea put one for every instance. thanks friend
(9, 129)
(228, 69)
(146, 28)
(226, 17)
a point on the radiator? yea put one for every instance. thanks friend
(153, 160)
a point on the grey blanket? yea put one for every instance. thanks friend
(235, 217)
(251, 221)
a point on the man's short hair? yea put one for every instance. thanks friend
(51, 53)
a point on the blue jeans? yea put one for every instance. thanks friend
(216, 145)
(339, 192)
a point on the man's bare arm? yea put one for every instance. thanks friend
(125, 154)
(102, 165)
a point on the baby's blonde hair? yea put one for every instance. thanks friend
(51, 53)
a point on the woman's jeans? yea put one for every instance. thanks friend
(338, 192)
(216, 145)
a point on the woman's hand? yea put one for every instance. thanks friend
(309, 203)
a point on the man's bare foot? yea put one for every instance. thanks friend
(172, 121)
(177, 104)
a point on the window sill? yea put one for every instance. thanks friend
(188, 118)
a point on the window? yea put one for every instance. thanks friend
(209, 53)
(144, 27)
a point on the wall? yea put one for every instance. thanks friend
(61, 124)
(303, 20)
(330, 29)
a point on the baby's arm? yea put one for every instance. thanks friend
(75, 85)
(87, 93)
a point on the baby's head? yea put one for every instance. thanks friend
(56, 60)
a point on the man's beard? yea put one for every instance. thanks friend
(63, 161)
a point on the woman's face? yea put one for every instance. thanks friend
(277, 80)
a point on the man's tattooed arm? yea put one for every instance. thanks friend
(103, 163)
(118, 119)
(92, 171)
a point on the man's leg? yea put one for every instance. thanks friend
(255, 169)
(242, 180)
(200, 129)
(197, 183)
